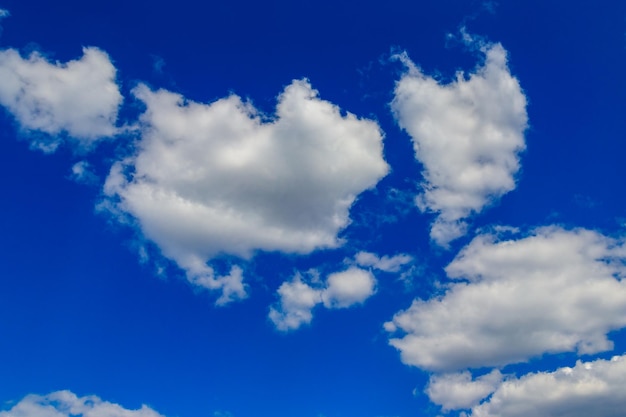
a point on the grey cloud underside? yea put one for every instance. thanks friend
(212, 179)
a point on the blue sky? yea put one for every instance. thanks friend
(312, 209)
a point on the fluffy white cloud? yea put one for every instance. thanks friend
(219, 178)
(467, 135)
(341, 290)
(297, 300)
(459, 390)
(349, 287)
(67, 404)
(554, 291)
(588, 389)
(384, 263)
(79, 98)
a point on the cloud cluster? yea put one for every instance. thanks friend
(79, 98)
(68, 404)
(554, 291)
(467, 135)
(341, 290)
(593, 388)
(222, 179)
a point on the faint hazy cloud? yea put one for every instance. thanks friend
(220, 178)
(467, 135)
(384, 263)
(79, 98)
(83, 173)
(68, 404)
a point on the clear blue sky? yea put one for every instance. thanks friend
(338, 209)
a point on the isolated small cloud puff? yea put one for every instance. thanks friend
(68, 404)
(466, 134)
(221, 179)
(79, 98)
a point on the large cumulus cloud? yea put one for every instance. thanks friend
(220, 178)
(556, 290)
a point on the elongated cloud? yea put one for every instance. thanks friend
(459, 390)
(79, 98)
(341, 290)
(466, 134)
(219, 178)
(593, 388)
(554, 291)
(68, 404)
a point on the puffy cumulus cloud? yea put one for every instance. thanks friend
(588, 389)
(553, 291)
(466, 134)
(384, 263)
(458, 390)
(219, 178)
(79, 98)
(68, 404)
(341, 290)
(297, 300)
(349, 287)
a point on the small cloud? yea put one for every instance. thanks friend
(82, 173)
(78, 99)
(297, 298)
(384, 263)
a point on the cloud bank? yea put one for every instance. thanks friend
(554, 291)
(68, 404)
(221, 179)
(79, 98)
(466, 134)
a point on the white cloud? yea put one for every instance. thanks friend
(467, 135)
(384, 263)
(554, 291)
(82, 173)
(297, 299)
(219, 178)
(349, 287)
(459, 390)
(588, 389)
(79, 98)
(4, 13)
(67, 404)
